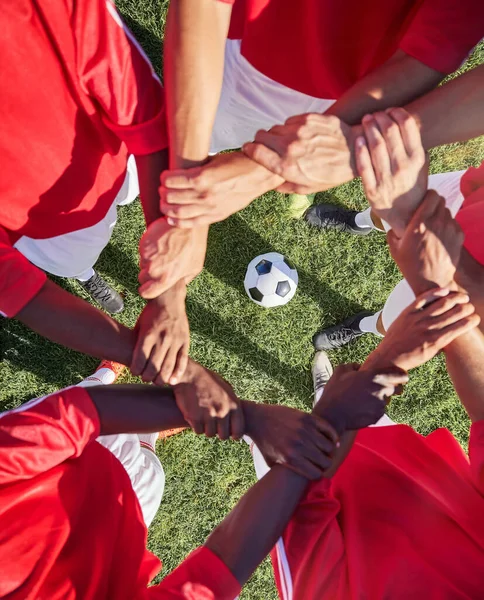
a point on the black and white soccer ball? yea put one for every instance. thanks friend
(270, 280)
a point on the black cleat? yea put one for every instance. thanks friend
(328, 216)
(342, 334)
(100, 291)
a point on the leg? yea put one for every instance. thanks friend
(74, 254)
(137, 454)
(329, 216)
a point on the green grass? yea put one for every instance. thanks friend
(265, 354)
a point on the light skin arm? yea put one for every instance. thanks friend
(196, 31)
(397, 82)
(150, 167)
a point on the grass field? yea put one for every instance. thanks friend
(265, 354)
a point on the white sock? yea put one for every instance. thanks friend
(363, 219)
(102, 376)
(368, 324)
(88, 273)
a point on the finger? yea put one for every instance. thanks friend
(393, 138)
(153, 367)
(453, 315)
(378, 148)
(409, 130)
(170, 197)
(319, 459)
(429, 297)
(188, 223)
(167, 366)
(364, 166)
(223, 428)
(427, 209)
(442, 305)
(198, 427)
(393, 242)
(152, 288)
(452, 332)
(264, 156)
(141, 354)
(183, 211)
(210, 427)
(237, 423)
(305, 468)
(181, 365)
(180, 178)
(391, 377)
(309, 118)
(327, 430)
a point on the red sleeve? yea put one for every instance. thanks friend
(471, 215)
(45, 432)
(476, 454)
(201, 576)
(20, 281)
(115, 71)
(444, 32)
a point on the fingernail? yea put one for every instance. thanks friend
(366, 119)
(173, 381)
(338, 444)
(170, 221)
(360, 141)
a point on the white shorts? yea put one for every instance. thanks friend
(75, 253)
(251, 101)
(448, 186)
(143, 467)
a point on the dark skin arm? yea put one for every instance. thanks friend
(73, 322)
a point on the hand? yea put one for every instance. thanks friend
(356, 397)
(291, 437)
(429, 251)
(393, 166)
(161, 351)
(208, 194)
(209, 404)
(168, 255)
(311, 152)
(424, 328)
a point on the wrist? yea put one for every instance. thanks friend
(334, 416)
(251, 415)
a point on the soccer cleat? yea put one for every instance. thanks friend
(328, 216)
(106, 373)
(322, 371)
(170, 432)
(107, 297)
(340, 335)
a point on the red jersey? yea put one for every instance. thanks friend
(323, 47)
(471, 215)
(70, 523)
(80, 96)
(401, 519)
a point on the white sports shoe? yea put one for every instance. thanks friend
(322, 371)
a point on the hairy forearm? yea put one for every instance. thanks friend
(249, 532)
(150, 168)
(397, 82)
(194, 62)
(73, 322)
(453, 112)
(135, 409)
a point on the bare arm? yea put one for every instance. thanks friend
(150, 167)
(196, 31)
(73, 322)
(453, 112)
(398, 81)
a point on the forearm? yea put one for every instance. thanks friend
(150, 168)
(249, 532)
(194, 63)
(135, 409)
(73, 322)
(465, 364)
(397, 82)
(453, 112)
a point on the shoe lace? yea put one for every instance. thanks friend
(341, 336)
(98, 289)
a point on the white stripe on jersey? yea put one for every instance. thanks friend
(119, 21)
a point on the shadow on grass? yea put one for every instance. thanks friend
(233, 244)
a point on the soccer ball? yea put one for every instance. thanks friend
(270, 280)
